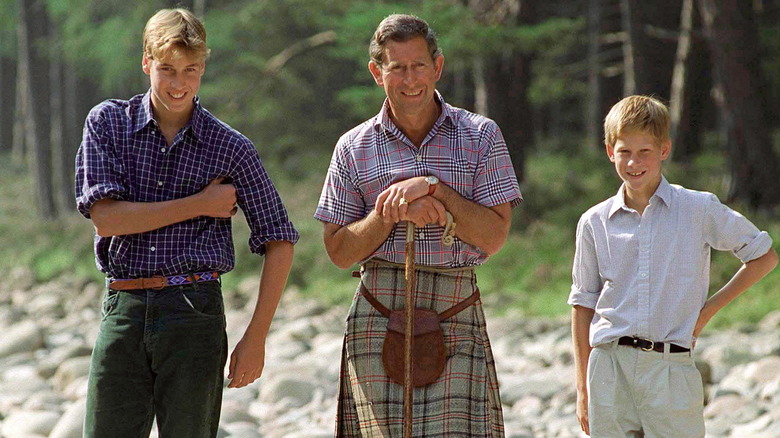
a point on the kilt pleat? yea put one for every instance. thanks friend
(463, 402)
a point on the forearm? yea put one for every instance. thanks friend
(748, 275)
(276, 269)
(354, 242)
(117, 218)
(484, 227)
(581, 318)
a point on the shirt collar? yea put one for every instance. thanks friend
(383, 120)
(145, 115)
(663, 192)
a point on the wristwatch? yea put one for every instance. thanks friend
(432, 181)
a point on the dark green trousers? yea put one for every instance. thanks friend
(158, 353)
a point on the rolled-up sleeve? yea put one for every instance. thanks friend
(260, 201)
(99, 172)
(728, 230)
(586, 282)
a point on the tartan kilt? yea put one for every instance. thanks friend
(463, 402)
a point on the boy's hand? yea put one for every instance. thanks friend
(582, 411)
(218, 199)
(246, 362)
(424, 211)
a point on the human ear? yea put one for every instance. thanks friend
(376, 72)
(666, 149)
(438, 65)
(145, 65)
(610, 152)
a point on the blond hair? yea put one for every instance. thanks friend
(637, 114)
(175, 32)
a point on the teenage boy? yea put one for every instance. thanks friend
(416, 160)
(640, 283)
(160, 178)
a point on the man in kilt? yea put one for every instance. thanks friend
(414, 162)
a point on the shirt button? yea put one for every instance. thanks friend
(152, 249)
(159, 183)
(643, 275)
(419, 158)
(163, 149)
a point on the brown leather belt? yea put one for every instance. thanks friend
(159, 282)
(648, 345)
(448, 313)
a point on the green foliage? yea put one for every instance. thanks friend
(8, 28)
(103, 41)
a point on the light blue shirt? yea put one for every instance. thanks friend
(648, 275)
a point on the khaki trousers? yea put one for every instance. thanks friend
(635, 393)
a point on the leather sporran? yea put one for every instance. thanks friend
(429, 352)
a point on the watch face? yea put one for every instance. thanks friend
(432, 180)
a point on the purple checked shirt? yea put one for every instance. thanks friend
(124, 156)
(464, 150)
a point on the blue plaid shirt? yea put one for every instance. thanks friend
(124, 156)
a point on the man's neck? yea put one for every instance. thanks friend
(417, 127)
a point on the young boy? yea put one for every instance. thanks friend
(640, 283)
(160, 178)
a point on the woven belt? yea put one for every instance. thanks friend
(648, 345)
(160, 282)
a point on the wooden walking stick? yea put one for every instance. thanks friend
(410, 278)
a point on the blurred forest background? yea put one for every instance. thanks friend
(292, 76)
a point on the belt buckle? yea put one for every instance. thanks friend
(156, 282)
(650, 348)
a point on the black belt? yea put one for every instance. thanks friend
(648, 345)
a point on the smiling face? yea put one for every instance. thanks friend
(409, 75)
(638, 156)
(175, 81)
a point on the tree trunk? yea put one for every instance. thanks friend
(595, 130)
(60, 179)
(507, 78)
(679, 100)
(480, 87)
(32, 23)
(199, 8)
(650, 47)
(628, 17)
(7, 106)
(733, 40)
(18, 149)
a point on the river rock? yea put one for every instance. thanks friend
(24, 424)
(70, 370)
(26, 336)
(71, 424)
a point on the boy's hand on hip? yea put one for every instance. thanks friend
(246, 362)
(218, 199)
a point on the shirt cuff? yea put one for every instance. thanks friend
(757, 247)
(583, 298)
(94, 194)
(273, 232)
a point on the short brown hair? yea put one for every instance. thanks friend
(175, 32)
(401, 28)
(637, 113)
